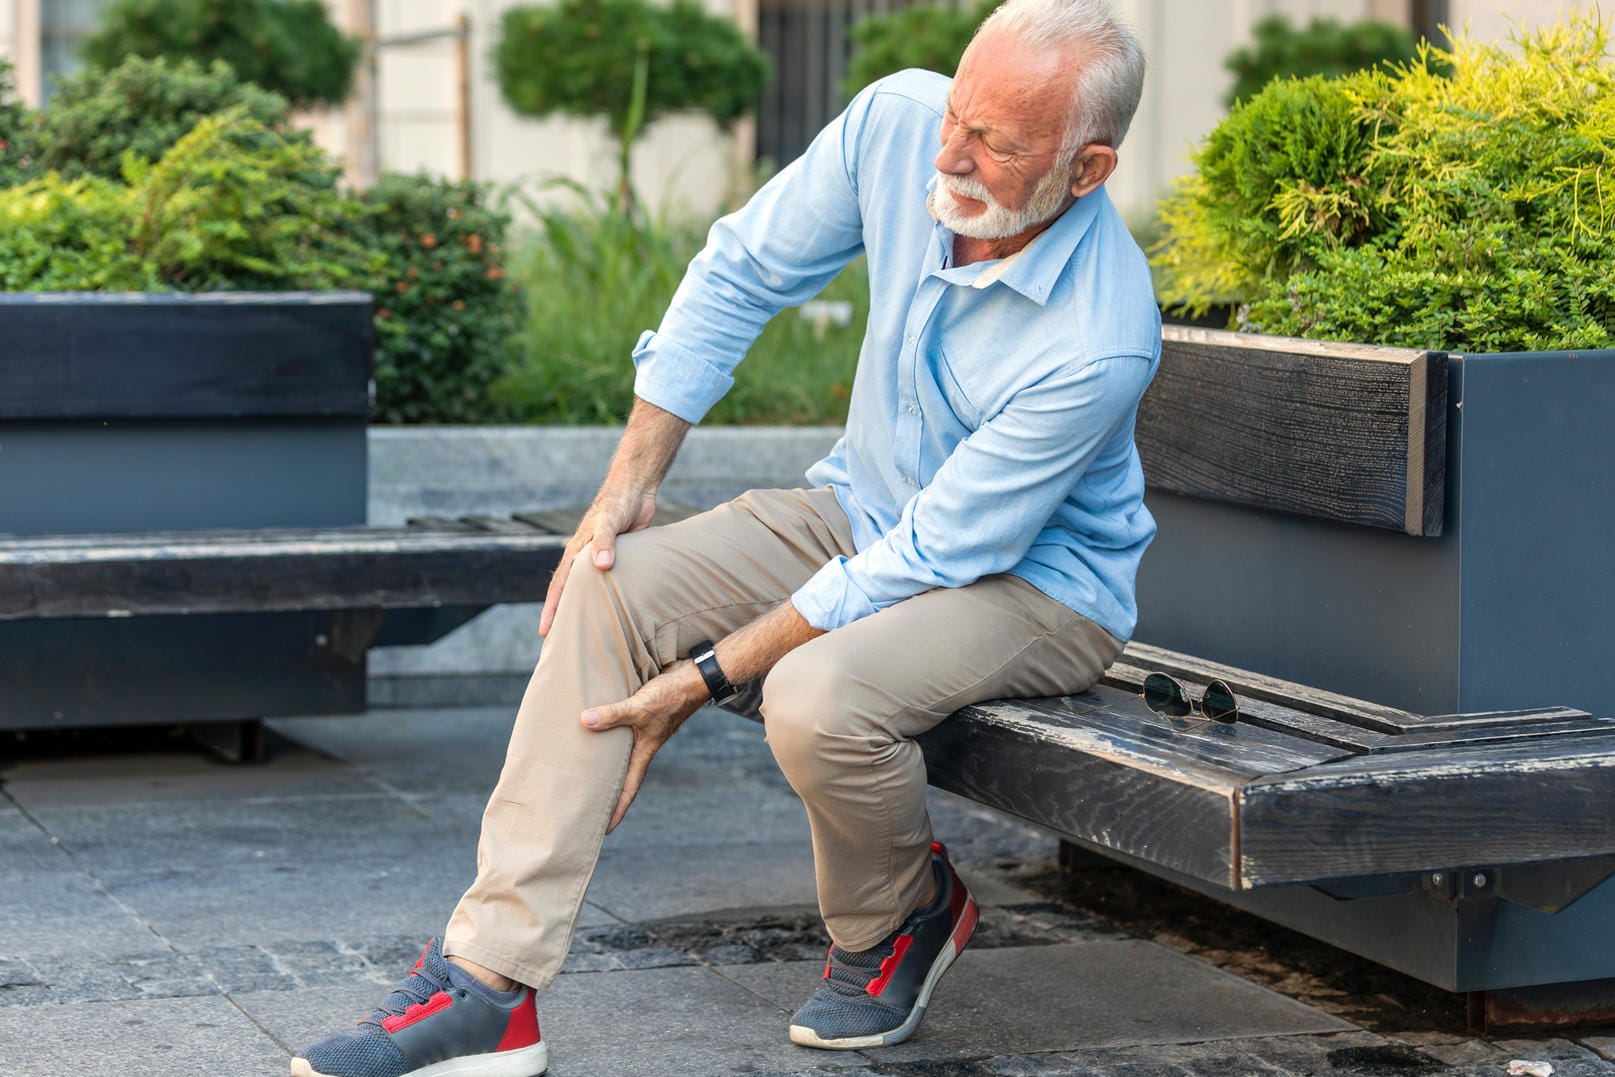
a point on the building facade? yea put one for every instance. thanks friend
(427, 99)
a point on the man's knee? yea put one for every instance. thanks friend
(812, 714)
(630, 584)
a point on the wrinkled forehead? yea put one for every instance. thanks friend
(1004, 83)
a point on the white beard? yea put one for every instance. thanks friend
(997, 222)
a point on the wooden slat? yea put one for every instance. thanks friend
(564, 521)
(1343, 432)
(1330, 718)
(500, 525)
(1141, 658)
(358, 568)
(1514, 803)
(555, 521)
(1101, 766)
(441, 523)
(167, 356)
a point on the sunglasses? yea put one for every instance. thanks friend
(1164, 695)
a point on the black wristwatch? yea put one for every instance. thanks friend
(705, 658)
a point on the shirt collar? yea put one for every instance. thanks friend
(1035, 268)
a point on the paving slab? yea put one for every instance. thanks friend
(212, 835)
(67, 914)
(663, 1021)
(253, 903)
(25, 849)
(416, 751)
(181, 773)
(695, 878)
(1068, 996)
(193, 1037)
(1343, 1054)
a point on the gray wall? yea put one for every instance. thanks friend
(458, 471)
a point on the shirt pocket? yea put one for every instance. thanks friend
(951, 388)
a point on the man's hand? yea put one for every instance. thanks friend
(615, 511)
(654, 713)
(627, 499)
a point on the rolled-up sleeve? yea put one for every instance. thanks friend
(991, 497)
(778, 251)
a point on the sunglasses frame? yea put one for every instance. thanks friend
(1195, 705)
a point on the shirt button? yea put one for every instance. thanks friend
(910, 481)
(912, 410)
(913, 341)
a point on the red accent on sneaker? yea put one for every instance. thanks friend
(827, 963)
(889, 965)
(522, 1031)
(420, 1011)
(421, 960)
(940, 849)
(958, 897)
(966, 928)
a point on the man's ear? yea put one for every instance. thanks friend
(1093, 166)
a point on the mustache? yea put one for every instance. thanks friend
(968, 186)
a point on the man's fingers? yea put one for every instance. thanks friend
(638, 763)
(605, 548)
(552, 596)
(620, 811)
(607, 716)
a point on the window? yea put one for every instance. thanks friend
(63, 25)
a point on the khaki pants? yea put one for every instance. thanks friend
(839, 713)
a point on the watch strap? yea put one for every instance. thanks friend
(704, 655)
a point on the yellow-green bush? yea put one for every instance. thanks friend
(1472, 211)
(229, 206)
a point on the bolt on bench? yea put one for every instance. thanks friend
(1313, 528)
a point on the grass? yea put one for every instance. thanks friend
(596, 278)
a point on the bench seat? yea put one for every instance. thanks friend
(1308, 786)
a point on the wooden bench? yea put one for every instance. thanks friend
(1473, 850)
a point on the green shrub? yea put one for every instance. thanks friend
(61, 235)
(1474, 212)
(1283, 178)
(595, 278)
(144, 107)
(447, 314)
(1325, 47)
(289, 47)
(233, 206)
(926, 35)
(629, 61)
(230, 206)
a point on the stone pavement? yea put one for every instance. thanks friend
(164, 914)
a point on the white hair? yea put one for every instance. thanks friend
(1111, 79)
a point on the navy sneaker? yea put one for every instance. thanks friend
(876, 997)
(437, 1023)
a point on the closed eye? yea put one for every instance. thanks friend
(997, 153)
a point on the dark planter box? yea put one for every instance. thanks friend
(129, 413)
(1288, 546)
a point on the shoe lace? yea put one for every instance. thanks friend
(848, 972)
(414, 990)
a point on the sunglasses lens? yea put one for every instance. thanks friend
(1219, 703)
(1163, 695)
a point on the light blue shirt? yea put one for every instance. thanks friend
(991, 422)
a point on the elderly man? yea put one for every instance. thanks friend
(974, 535)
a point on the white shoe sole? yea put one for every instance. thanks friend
(522, 1062)
(961, 937)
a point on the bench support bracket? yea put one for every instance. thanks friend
(238, 742)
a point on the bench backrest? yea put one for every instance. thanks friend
(1345, 432)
